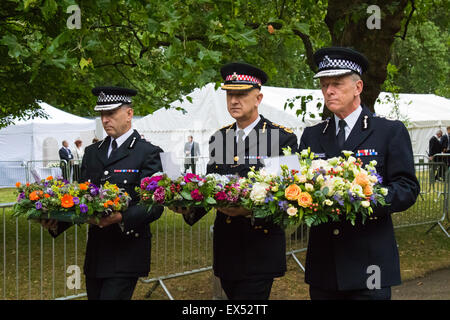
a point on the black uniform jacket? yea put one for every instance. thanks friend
(242, 249)
(111, 251)
(434, 146)
(339, 254)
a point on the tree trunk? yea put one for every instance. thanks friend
(347, 21)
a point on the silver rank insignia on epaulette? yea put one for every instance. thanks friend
(365, 123)
(99, 146)
(327, 120)
(132, 143)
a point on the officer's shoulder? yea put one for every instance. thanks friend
(319, 126)
(146, 145)
(274, 125)
(94, 146)
(380, 120)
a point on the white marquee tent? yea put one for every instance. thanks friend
(40, 138)
(424, 114)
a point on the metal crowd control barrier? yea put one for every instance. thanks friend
(432, 205)
(35, 264)
(181, 250)
(200, 164)
(28, 171)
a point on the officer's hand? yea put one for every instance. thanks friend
(49, 224)
(115, 217)
(233, 212)
(182, 210)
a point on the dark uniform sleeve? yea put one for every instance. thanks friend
(136, 214)
(400, 178)
(303, 141)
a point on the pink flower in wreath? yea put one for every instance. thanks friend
(221, 196)
(196, 195)
(155, 178)
(159, 195)
(145, 182)
(190, 176)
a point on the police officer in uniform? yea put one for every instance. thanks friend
(361, 261)
(118, 247)
(248, 253)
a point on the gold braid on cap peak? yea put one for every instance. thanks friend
(237, 86)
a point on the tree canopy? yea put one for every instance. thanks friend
(165, 49)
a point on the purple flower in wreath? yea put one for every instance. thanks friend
(93, 189)
(268, 199)
(283, 205)
(76, 200)
(50, 192)
(373, 199)
(83, 208)
(38, 205)
(339, 199)
(152, 186)
(20, 196)
(352, 198)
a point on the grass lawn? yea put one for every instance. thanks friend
(27, 270)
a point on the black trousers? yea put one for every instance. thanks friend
(247, 289)
(363, 294)
(110, 288)
(187, 165)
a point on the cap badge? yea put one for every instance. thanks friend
(326, 61)
(102, 96)
(234, 76)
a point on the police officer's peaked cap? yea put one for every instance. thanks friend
(242, 76)
(109, 98)
(337, 61)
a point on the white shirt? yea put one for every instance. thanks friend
(351, 120)
(120, 140)
(79, 153)
(248, 129)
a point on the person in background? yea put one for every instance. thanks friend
(66, 157)
(191, 152)
(78, 154)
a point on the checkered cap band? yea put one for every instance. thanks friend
(112, 98)
(242, 77)
(328, 63)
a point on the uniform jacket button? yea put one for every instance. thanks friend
(336, 232)
(128, 232)
(106, 172)
(124, 181)
(136, 234)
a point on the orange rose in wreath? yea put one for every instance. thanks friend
(304, 200)
(292, 192)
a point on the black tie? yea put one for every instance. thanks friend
(113, 146)
(341, 134)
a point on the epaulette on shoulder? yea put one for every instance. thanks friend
(99, 143)
(227, 127)
(282, 127)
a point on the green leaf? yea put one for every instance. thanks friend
(302, 27)
(49, 9)
(211, 200)
(186, 195)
